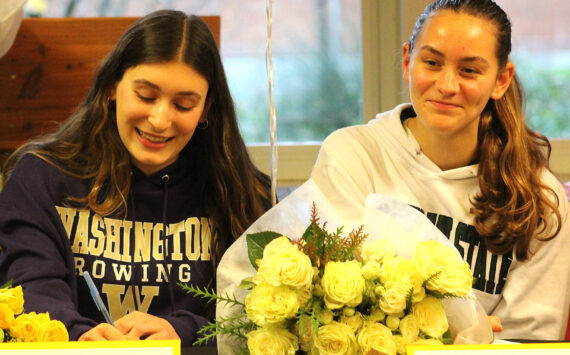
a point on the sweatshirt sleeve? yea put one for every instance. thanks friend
(186, 324)
(35, 249)
(536, 297)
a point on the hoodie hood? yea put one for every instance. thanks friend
(391, 127)
(185, 186)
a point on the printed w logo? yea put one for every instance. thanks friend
(121, 302)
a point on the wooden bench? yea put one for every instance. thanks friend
(48, 71)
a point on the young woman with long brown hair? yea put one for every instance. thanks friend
(462, 154)
(144, 187)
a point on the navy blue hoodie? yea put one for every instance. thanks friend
(47, 245)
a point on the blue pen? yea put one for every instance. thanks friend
(97, 298)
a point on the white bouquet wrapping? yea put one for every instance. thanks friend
(11, 14)
(384, 219)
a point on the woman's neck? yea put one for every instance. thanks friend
(446, 151)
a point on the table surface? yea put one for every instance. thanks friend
(202, 350)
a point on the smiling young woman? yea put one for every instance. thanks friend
(144, 186)
(450, 84)
(462, 154)
(157, 116)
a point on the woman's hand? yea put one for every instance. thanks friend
(103, 331)
(496, 324)
(139, 325)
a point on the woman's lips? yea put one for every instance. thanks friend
(152, 141)
(444, 105)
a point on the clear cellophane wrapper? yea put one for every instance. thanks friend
(383, 218)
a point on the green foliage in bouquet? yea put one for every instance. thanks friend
(330, 294)
(322, 246)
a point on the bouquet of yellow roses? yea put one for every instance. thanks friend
(329, 294)
(17, 326)
(393, 281)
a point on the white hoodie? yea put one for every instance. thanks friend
(532, 298)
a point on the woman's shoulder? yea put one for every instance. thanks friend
(558, 196)
(37, 175)
(34, 167)
(552, 181)
(385, 127)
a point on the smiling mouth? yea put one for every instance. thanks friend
(443, 104)
(153, 139)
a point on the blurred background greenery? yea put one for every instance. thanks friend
(547, 90)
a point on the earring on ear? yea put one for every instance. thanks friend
(203, 125)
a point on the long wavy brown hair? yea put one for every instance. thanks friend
(88, 146)
(514, 204)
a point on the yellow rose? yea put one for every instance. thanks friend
(376, 315)
(318, 290)
(393, 298)
(268, 305)
(348, 311)
(52, 330)
(376, 336)
(392, 322)
(409, 327)
(25, 327)
(453, 275)
(273, 340)
(430, 316)
(336, 338)
(327, 316)
(422, 341)
(377, 250)
(14, 298)
(284, 264)
(342, 284)
(371, 271)
(402, 343)
(354, 321)
(6, 316)
(304, 294)
(43, 317)
(401, 270)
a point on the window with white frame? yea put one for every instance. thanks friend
(337, 62)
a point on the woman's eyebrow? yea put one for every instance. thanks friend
(475, 58)
(156, 87)
(147, 83)
(429, 48)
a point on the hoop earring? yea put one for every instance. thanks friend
(203, 125)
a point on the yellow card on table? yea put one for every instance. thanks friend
(487, 349)
(142, 347)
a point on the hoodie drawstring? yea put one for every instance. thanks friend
(136, 297)
(165, 253)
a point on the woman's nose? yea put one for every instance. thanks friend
(160, 116)
(447, 82)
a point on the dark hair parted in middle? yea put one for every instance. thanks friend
(88, 145)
